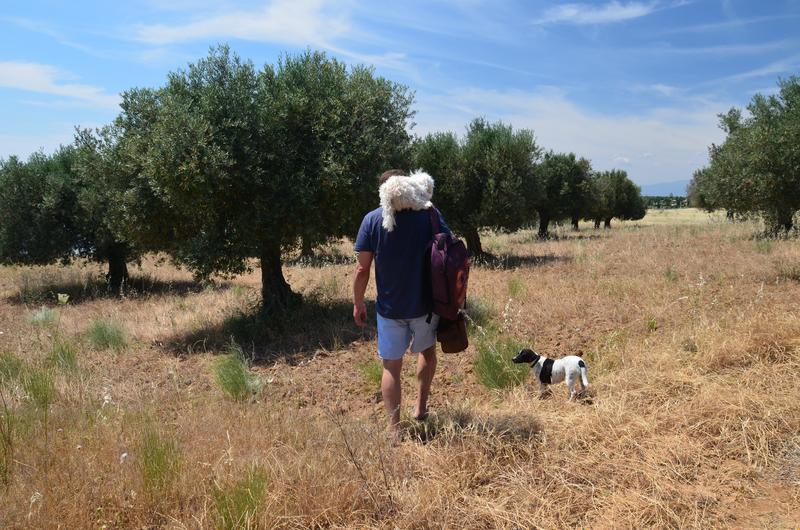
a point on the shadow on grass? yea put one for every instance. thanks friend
(460, 422)
(44, 289)
(322, 259)
(513, 261)
(294, 335)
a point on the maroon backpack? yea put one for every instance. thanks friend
(449, 271)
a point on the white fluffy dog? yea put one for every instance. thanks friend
(401, 192)
(571, 369)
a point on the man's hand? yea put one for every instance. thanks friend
(360, 314)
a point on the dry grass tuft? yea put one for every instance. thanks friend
(688, 324)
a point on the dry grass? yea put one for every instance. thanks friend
(690, 328)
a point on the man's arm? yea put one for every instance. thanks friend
(360, 282)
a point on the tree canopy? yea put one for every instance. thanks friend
(245, 162)
(484, 181)
(756, 170)
(565, 189)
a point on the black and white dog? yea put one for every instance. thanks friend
(571, 369)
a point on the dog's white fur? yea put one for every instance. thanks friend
(412, 192)
(566, 369)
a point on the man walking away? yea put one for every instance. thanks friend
(396, 236)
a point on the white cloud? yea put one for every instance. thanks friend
(296, 22)
(673, 140)
(46, 79)
(582, 14)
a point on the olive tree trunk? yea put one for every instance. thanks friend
(544, 223)
(117, 270)
(607, 223)
(575, 220)
(597, 223)
(473, 242)
(275, 292)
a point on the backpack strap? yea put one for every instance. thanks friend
(435, 226)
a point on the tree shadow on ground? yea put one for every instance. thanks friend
(293, 335)
(506, 261)
(321, 259)
(86, 287)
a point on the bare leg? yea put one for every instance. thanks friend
(391, 391)
(426, 367)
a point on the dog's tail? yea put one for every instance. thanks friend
(584, 373)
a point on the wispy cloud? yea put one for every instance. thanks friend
(295, 22)
(46, 79)
(43, 28)
(781, 66)
(726, 24)
(583, 14)
(662, 144)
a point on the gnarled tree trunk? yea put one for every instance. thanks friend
(117, 269)
(575, 220)
(306, 248)
(607, 223)
(275, 292)
(473, 242)
(597, 223)
(544, 223)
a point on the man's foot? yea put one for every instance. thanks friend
(420, 416)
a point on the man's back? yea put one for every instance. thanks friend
(400, 268)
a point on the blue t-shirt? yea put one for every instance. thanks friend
(400, 268)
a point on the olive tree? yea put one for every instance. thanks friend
(566, 191)
(246, 162)
(615, 195)
(486, 180)
(63, 206)
(756, 170)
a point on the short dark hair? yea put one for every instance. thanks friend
(386, 175)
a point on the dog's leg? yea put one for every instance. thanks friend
(571, 386)
(542, 390)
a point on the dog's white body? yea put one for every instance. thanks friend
(570, 369)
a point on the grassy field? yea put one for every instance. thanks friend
(177, 407)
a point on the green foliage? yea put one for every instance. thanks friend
(44, 317)
(234, 377)
(485, 181)
(616, 196)
(754, 171)
(652, 324)
(10, 367)
(7, 439)
(479, 311)
(105, 335)
(158, 462)
(515, 287)
(493, 366)
(231, 154)
(237, 506)
(38, 385)
(63, 355)
(371, 371)
(69, 211)
(566, 191)
(665, 202)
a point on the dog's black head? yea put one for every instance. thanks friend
(526, 356)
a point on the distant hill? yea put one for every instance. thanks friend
(677, 188)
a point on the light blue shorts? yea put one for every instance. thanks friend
(395, 336)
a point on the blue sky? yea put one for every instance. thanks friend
(628, 84)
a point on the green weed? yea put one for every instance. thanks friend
(763, 246)
(371, 371)
(652, 324)
(515, 287)
(493, 366)
(10, 367)
(38, 385)
(106, 335)
(670, 274)
(158, 462)
(63, 355)
(237, 506)
(44, 317)
(234, 377)
(479, 311)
